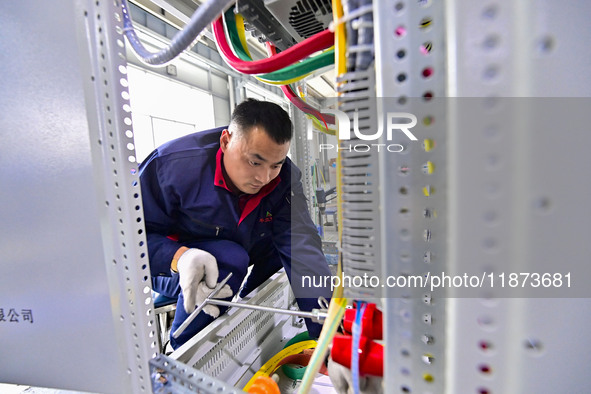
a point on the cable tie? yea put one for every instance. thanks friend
(361, 48)
(356, 13)
(357, 24)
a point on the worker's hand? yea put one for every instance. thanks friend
(342, 380)
(203, 291)
(340, 377)
(195, 266)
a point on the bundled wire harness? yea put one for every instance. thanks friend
(291, 55)
(234, 26)
(235, 52)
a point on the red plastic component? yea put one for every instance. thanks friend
(371, 354)
(371, 322)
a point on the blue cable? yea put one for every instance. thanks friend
(357, 326)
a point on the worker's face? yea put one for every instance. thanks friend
(252, 159)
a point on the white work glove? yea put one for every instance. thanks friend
(203, 291)
(198, 276)
(342, 380)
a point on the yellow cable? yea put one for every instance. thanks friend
(242, 37)
(289, 81)
(341, 67)
(340, 38)
(241, 32)
(336, 311)
(286, 82)
(271, 365)
(323, 180)
(320, 126)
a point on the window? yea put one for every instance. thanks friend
(163, 109)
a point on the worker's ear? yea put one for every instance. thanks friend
(225, 139)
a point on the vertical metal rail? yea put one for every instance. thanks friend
(302, 154)
(411, 78)
(116, 176)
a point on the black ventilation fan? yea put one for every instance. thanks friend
(307, 16)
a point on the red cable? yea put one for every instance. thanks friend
(317, 42)
(302, 105)
(296, 100)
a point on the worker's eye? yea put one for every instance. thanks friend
(253, 163)
(277, 166)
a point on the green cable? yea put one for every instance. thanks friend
(302, 336)
(230, 22)
(305, 67)
(295, 373)
(297, 70)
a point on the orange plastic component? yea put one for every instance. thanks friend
(264, 385)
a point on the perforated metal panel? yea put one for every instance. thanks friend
(501, 196)
(410, 53)
(236, 345)
(72, 241)
(359, 185)
(170, 376)
(517, 193)
(499, 199)
(301, 154)
(115, 167)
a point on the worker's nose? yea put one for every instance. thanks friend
(264, 175)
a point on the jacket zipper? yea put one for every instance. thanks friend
(207, 225)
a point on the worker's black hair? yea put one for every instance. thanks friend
(270, 116)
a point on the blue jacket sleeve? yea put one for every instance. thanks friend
(300, 250)
(160, 204)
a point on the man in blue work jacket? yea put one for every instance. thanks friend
(220, 200)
